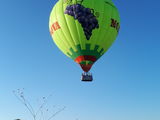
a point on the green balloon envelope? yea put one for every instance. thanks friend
(84, 29)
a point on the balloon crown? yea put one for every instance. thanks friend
(73, 1)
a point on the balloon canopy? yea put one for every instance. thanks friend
(84, 29)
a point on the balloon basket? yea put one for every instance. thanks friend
(86, 77)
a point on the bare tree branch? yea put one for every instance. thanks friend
(54, 114)
(43, 104)
(39, 114)
(23, 101)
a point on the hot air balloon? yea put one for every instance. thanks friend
(84, 30)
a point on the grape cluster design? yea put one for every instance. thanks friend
(85, 17)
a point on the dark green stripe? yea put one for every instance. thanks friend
(87, 51)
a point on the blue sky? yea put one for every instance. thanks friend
(126, 79)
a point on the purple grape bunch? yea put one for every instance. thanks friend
(85, 17)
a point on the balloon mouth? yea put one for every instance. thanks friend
(79, 59)
(86, 68)
(85, 61)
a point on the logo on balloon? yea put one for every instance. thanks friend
(55, 26)
(85, 17)
(115, 24)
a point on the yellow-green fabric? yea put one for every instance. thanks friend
(69, 35)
